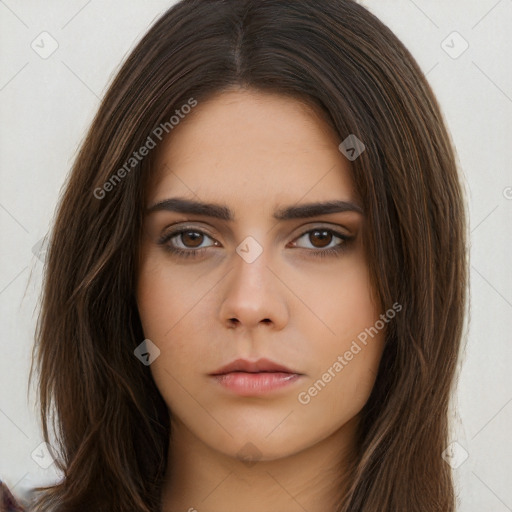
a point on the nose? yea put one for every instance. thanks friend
(253, 294)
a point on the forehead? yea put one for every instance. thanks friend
(252, 146)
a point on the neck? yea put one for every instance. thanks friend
(198, 477)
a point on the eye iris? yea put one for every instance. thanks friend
(194, 236)
(322, 235)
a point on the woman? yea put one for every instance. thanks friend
(255, 285)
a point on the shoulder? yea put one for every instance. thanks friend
(7, 501)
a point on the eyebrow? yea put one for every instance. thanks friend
(221, 212)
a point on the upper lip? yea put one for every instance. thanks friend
(261, 365)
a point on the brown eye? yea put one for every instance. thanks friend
(191, 238)
(320, 238)
(187, 240)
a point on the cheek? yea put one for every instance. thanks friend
(343, 304)
(166, 298)
(333, 396)
(175, 311)
(347, 353)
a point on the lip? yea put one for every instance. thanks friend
(261, 365)
(253, 378)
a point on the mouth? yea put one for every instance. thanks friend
(247, 378)
(259, 366)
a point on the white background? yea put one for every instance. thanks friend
(47, 104)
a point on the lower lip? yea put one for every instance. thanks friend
(253, 384)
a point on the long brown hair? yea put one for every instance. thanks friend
(111, 424)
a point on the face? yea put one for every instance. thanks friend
(241, 269)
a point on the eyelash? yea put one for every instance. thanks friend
(195, 253)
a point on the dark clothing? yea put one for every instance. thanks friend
(7, 501)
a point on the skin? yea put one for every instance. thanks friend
(256, 152)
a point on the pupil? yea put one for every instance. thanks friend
(323, 236)
(194, 237)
